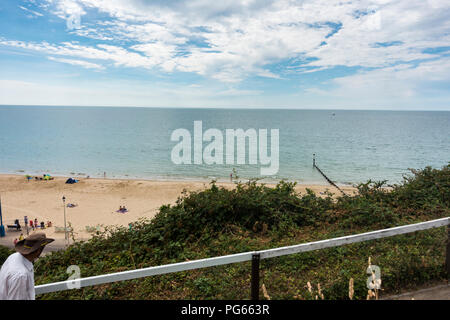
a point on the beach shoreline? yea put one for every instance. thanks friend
(97, 201)
(223, 179)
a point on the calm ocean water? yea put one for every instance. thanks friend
(350, 146)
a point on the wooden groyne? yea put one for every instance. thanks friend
(324, 175)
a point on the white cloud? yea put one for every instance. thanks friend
(158, 53)
(67, 8)
(232, 40)
(119, 93)
(404, 83)
(31, 11)
(118, 55)
(412, 25)
(84, 64)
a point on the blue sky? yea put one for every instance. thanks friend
(251, 53)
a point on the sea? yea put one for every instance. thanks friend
(350, 146)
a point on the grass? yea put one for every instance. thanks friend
(251, 217)
(4, 253)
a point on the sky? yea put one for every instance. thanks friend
(226, 54)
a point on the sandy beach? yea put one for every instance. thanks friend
(97, 201)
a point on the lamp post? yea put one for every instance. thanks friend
(65, 227)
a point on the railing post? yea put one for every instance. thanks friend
(447, 255)
(255, 276)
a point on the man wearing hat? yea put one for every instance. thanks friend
(17, 273)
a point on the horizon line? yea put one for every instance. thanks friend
(223, 108)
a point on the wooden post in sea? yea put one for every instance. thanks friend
(323, 174)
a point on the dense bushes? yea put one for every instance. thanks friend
(4, 254)
(252, 216)
(252, 206)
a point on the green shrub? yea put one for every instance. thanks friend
(4, 254)
(219, 221)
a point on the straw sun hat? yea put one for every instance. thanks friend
(32, 243)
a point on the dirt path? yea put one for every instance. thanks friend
(438, 292)
(58, 244)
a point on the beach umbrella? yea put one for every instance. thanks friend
(2, 228)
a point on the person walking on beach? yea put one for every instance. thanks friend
(17, 272)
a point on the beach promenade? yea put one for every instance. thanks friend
(58, 244)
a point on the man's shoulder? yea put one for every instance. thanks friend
(13, 258)
(14, 265)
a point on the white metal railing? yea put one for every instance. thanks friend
(241, 257)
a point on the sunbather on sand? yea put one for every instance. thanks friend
(122, 209)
